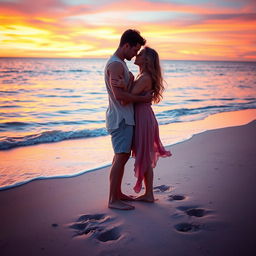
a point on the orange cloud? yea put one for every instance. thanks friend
(52, 28)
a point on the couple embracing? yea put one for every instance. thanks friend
(130, 119)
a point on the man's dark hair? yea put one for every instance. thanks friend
(132, 37)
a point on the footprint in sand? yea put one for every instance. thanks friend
(94, 225)
(196, 212)
(176, 197)
(187, 227)
(161, 188)
(111, 234)
(193, 211)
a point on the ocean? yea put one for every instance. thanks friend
(52, 100)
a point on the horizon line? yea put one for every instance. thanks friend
(89, 58)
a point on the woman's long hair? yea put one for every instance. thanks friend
(153, 68)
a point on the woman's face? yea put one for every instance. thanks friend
(131, 51)
(140, 58)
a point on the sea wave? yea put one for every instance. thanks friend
(194, 114)
(49, 136)
(164, 118)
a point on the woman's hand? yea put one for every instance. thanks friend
(131, 82)
(120, 83)
(131, 79)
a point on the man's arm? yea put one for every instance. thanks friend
(128, 97)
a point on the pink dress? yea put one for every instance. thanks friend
(147, 146)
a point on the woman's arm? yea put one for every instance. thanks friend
(142, 84)
(131, 82)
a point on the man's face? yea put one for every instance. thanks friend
(131, 51)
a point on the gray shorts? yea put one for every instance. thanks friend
(122, 137)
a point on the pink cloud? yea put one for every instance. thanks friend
(46, 8)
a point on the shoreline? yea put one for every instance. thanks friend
(37, 154)
(212, 174)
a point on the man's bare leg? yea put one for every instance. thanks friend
(149, 195)
(116, 175)
(123, 196)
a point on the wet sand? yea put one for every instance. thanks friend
(205, 206)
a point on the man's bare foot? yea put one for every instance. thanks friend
(145, 198)
(118, 204)
(126, 198)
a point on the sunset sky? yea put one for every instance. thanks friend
(178, 29)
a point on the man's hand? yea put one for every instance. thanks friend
(148, 96)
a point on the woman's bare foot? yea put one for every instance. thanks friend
(126, 198)
(118, 204)
(145, 198)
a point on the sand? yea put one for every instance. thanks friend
(205, 206)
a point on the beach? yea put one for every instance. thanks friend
(205, 206)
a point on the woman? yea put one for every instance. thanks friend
(147, 146)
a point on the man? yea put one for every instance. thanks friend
(120, 117)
